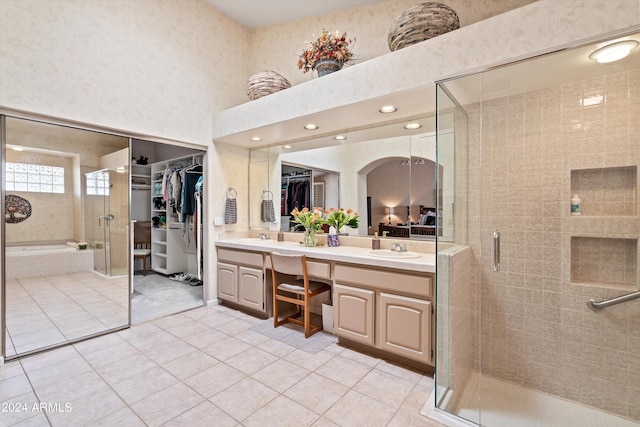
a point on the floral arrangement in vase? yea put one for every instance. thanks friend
(340, 218)
(328, 46)
(312, 221)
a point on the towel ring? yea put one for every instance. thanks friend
(231, 193)
(268, 193)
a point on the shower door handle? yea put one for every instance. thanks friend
(108, 217)
(496, 250)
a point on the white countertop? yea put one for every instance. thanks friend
(347, 254)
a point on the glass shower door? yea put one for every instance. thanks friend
(106, 221)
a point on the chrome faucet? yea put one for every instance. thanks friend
(263, 236)
(399, 248)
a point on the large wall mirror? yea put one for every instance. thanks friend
(387, 173)
(65, 234)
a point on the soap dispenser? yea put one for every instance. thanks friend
(280, 236)
(575, 205)
(375, 242)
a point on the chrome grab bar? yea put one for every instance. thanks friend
(496, 250)
(597, 305)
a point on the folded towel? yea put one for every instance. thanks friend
(267, 211)
(230, 211)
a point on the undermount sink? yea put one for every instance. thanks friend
(395, 254)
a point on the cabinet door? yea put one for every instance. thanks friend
(353, 313)
(405, 326)
(228, 282)
(251, 288)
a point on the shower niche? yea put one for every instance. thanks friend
(599, 255)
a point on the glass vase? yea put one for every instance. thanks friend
(310, 239)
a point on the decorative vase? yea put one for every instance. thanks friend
(327, 66)
(310, 239)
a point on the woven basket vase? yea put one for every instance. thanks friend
(421, 22)
(265, 83)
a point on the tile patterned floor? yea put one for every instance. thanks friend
(205, 367)
(43, 311)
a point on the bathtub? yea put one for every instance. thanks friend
(45, 260)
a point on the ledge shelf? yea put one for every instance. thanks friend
(605, 262)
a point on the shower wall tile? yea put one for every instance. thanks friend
(536, 327)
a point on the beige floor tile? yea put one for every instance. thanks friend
(205, 414)
(205, 339)
(416, 399)
(14, 386)
(308, 360)
(243, 398)
(215, 379)
(170, 351)
(50, 358)
(400, 371)
(384, 387)
(228, 348)
(122, 370)
(235, 327)
(187, 329)
(172, 321)
(152, 341)
(280, 375)
(72, 388)
(37, 420)
(251, 360)
(167, 404)
(356, 409)
(19, 409)
(276, 347)
(282, 412)
(144, 384)
(190, 364)
(124, 417)
(344, 371)
(316, 392)
(62, 371)
(120, 352)
(136, 332)
(10, 369)
(363, 358)
(98, 343)
(404, 419)
(324, 422)
(252, 337)
(87, 409)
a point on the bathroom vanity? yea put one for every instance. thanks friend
(382, 300)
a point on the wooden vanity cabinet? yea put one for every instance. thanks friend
(386, 309)
(241, 279)
(353, 313)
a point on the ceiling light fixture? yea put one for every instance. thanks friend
(286, 146)
(255, 139)
(17, 148)
(614, 51)
(311, 126)
(412, 126)
(339, 137)
(386, 109)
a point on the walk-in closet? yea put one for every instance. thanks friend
(167, 184)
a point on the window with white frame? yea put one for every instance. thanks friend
(34, 178)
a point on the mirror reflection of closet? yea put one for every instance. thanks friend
(63, 283)
(305, 187)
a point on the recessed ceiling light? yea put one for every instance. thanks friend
(311, 126)
(17, 148)
(339, 137)
(614, 51)
(412, 126)
(286, 146)
(256, 139)
(386, 109)
(120, 169)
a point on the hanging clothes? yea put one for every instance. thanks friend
(192, 175)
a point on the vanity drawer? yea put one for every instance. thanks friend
(420, 285)
(316, 269)
(253, 259)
